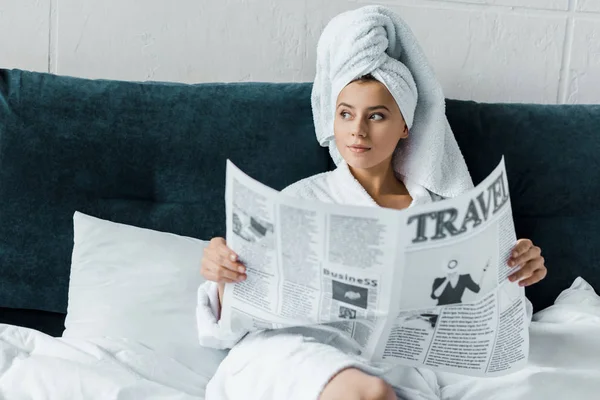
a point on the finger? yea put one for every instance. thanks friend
(521, 247)
(231, 265)
(209, 271)
(229, 259)
(221, 255)
(223, 274)
(220, 246)
(223, 280)
(524, 272)
(531, 254)
(537, 276)
(527, 270)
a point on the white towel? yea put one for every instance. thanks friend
(374, 40)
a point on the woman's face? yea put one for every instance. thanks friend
(368, 124)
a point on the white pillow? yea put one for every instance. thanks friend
(134, 283)
(578, 303)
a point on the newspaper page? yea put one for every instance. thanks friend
(458, 311)
(309, 263)
(426, 286)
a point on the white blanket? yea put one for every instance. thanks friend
(37, 366)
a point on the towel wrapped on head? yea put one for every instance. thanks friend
(374, 40)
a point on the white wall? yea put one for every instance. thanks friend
(543, 51)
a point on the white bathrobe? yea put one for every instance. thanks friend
(297, 363)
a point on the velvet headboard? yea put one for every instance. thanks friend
(153, 155)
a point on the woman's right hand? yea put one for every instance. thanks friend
(220, 264)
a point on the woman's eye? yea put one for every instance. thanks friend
(380, 117)
(344, 114)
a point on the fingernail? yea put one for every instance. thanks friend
(241, 277)
(232, 257)
(521, 283)
(514, 254)
(511, 263)
(511, 278)
(241, 269)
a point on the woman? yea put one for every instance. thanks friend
(379, 108)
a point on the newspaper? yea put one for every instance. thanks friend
(425, 286)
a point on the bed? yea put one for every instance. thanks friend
(109, 190)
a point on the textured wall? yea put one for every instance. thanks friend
(543, 51)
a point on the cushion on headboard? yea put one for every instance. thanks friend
(145, 154)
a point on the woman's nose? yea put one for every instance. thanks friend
(359, 129)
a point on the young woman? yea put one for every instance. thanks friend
(375, 100)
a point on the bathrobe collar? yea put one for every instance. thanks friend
(345, 189)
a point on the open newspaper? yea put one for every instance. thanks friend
(424, 286)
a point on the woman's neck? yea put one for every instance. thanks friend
(379, 181)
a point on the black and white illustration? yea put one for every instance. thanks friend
(250, 228)
(450, 288)
(423, 319)
(468, 270)
(350, 294)
(347, 313)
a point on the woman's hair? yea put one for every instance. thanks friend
(365, 78)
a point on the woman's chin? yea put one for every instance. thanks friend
(358, 164)
(359, 160)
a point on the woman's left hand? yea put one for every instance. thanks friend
(529, 256)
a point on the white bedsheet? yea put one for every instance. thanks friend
(37, 366)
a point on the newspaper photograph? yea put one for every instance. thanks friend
(424, 286)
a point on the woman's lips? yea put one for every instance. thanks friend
(359, 149)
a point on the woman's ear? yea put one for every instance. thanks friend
(405, 131)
